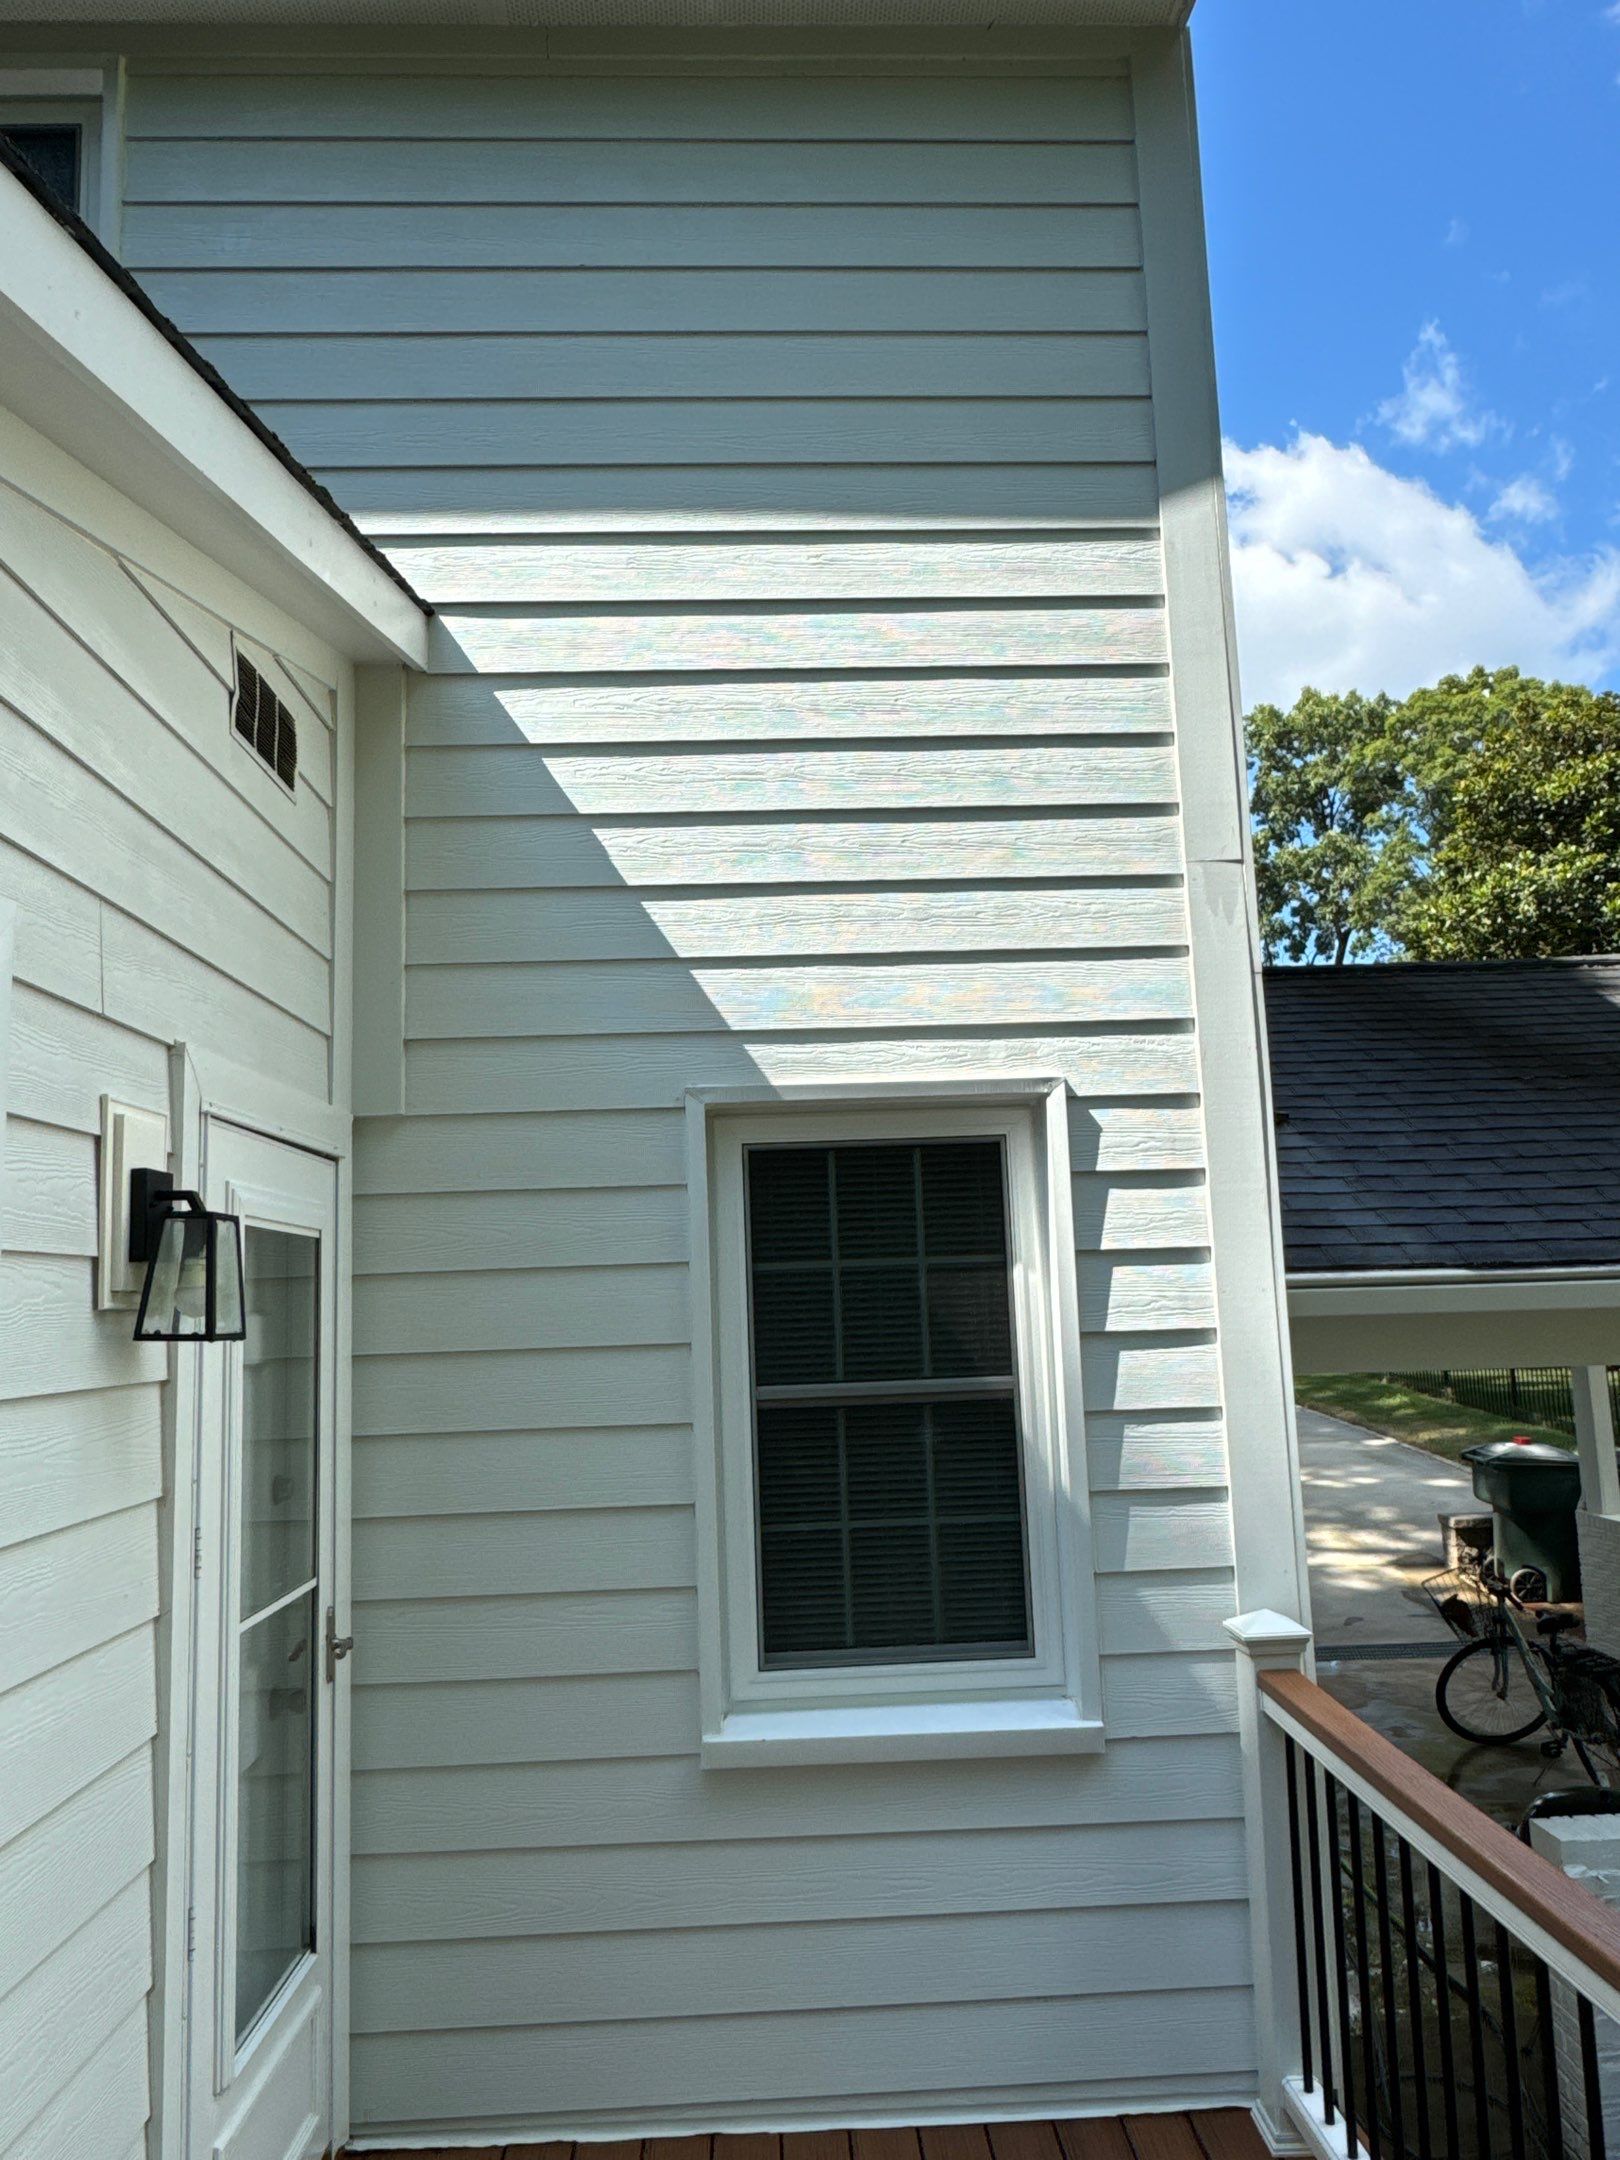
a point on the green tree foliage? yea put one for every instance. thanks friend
(1332, 838)
(1478, 819)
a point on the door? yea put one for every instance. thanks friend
(260, 2032)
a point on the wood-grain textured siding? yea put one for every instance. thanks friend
(167, 889)
(778, 447)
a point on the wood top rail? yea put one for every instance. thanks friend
(1537, 1890)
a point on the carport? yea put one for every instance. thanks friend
(1448, 1138)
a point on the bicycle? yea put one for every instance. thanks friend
(1503, 1684)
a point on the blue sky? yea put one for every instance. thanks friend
(1414, 219)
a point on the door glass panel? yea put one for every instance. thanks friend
(279, 1415)
(275, 1851)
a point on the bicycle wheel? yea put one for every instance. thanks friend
(1485, 1694)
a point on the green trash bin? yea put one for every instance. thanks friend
(1533, 1490)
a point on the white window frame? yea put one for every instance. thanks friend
(1045, 1703)
(81, 97)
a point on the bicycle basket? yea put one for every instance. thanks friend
(1589, 1687)
(1460, 1599)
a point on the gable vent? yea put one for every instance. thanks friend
(264, 723)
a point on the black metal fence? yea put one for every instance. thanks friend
(1537, 1394)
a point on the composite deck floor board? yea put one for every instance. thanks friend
(1205, 2134)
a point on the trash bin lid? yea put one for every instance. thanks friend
(1505, 1454)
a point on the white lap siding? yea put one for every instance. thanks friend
(166, 888)
(778, 448)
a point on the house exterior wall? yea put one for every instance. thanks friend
(165, 889)
(1600, 1578)
(773, 426)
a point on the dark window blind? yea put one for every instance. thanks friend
(53, 152)
(891, 1508)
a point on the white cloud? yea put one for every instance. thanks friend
(1524, 501)
(1349, 576)
(1457, 233)
(1434, 410)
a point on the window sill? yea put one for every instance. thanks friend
(894, 1732)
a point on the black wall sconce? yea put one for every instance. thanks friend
(193, 1286)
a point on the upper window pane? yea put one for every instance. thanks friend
(54, 154)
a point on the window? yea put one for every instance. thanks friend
(896, 1559)
(54, 153)
(61, 121)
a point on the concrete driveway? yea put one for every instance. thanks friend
(1371, 1528)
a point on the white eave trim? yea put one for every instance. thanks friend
(83, 365)
(1448, 1290)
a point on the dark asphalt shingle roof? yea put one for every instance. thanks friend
(1448, 1116)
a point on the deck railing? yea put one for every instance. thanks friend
(1430, 1987)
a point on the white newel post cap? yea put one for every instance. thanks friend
(1270, 1639)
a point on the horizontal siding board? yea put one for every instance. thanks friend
(60, 1873)
(1165, 1695)
(545, 1150)
(64, 1059)
(49, 1190)
(53, 1340)
(403, 1233)
(1184, 1607)
(526, 782)
(915, 2055)
(570, 926)
(158, 986)
(1051, 364)
(449, 711)
(1128, 1453)
(64, 1729)
(75, 1589)
(295, 169)
(663, 302)
(841, 1965)
(105, 2098)
(69, 2006)
(624, 1548)
(67, 1459)
(555, 572)
(115, 847)
(480, 854)
(603, 433)
(1140, 1532)
(1121, 1213)
(1128, 1296)
(1136, 1372)
(58, 924)
(668, 997)
(529, 1309)
(484, 1473)
(639, 1072)
(630, 1888)
(671, 1799)
(660, 496)
(1126, 1137)
(1052, 106)
(629, 236)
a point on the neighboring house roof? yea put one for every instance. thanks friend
(1435, 1116)
(134, 401)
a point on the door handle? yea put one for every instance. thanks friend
(337, 1646)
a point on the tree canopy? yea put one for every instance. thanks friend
(1478, 819)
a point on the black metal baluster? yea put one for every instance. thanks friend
(1549, 2063)
(1341, 1962)
(1510, 2040)
(1324, 2026)
(1369, 2046)
(1301, 1966)
(1386, 1982)
(1476, 2029)
(1414, 2000)
(1442, 1966)
(1597, 2146)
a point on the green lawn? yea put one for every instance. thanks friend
(1443, 1428)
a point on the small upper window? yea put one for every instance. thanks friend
(264, 724)
(891, 1518)
(54, 153)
